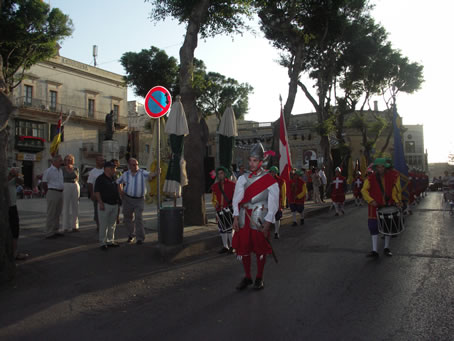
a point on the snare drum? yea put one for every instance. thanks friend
(390, 220)
(225, 219)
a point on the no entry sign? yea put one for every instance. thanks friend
(158, 102)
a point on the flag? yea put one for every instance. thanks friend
(57, 138)
(285, 163)
(399, 157)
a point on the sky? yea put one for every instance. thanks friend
(420, 29)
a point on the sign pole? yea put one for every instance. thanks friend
(158, 158)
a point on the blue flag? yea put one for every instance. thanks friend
(399, 157)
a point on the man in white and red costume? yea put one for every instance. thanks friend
(255, 203)
(357, 186)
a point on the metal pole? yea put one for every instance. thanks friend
(158, 168)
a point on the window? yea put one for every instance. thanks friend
(29, 128)
(410, 146)
(91, 108)
(28, 94)
(147, 148)
(53, 100)
(116, 112)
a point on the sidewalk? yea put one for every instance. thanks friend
(197, 240)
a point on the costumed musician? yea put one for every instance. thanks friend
(381, 188)
(338, 186)
(297, 195)
(357, 185)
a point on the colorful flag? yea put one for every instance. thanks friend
(57, 138)
(399, 157)
(285, 163)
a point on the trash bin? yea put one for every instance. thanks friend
(171, 225)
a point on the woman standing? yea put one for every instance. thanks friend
(71, 194)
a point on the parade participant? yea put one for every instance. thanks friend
(222, 195)
(338, 186)
(255, 203)
(297, 196)
(380, 189)
(357, 185)
(53, 185)
(282, 199)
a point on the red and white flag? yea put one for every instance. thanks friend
(285, 162)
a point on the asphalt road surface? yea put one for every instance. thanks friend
(323, 288)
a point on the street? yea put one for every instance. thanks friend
(323, 288)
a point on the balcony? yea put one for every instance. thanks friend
(46, 106)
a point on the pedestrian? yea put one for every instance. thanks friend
(338, 187)
(381, 188)
(297, 196)
(107, 197)
(132, 189)
(316, 181)
(53, 186)
(309, 184)
(71, 195)
(14, 179)
(222, 195)
(255, 203)
(323, 183)
(282, 200)
(92, 176)
(118, 172)
(357, 186)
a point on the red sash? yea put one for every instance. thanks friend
(257, 187)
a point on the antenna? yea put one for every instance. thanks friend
(95, 53)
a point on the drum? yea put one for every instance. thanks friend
(390, 220)
(225, 219)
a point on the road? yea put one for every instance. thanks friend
(323, 288)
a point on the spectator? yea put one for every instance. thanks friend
(92, 176)
(323, 182)
(53, 186)
(14, 180)
(316, 181)
(106, 193)
(132, 189)
(71, 195)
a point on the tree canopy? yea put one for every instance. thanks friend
(29, 33)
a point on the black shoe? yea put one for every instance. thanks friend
(130, 240)
(231, 250)
(139, 242)
(302, 221)
(387, 252)
(373, 254)
(223, 250)
(245, 282)
(258, 284)
(276, 236)
(113, 244)
(294, 224)
(336, 215)
(103, 247)
(52, 236)
(59, 234)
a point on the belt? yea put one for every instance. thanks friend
(129, 196)
(54, 189)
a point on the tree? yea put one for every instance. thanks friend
(206, 18)
(29, 33)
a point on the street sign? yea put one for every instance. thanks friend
(158, 102)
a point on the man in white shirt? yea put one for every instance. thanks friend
(323, 182)
(53, 186)
(132, 188)
(92, 176)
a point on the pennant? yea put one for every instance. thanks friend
(399, 157)
(57, 138)
(285, 163)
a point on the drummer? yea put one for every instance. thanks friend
(381, 188)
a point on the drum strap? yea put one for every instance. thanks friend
(378, 177)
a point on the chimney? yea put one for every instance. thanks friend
(375, 105)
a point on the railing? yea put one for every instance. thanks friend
(45, 105)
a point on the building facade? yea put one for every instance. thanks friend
(81, 93)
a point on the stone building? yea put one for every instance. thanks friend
(83, 93)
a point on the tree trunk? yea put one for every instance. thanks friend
(194, 150)
(7, 264)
